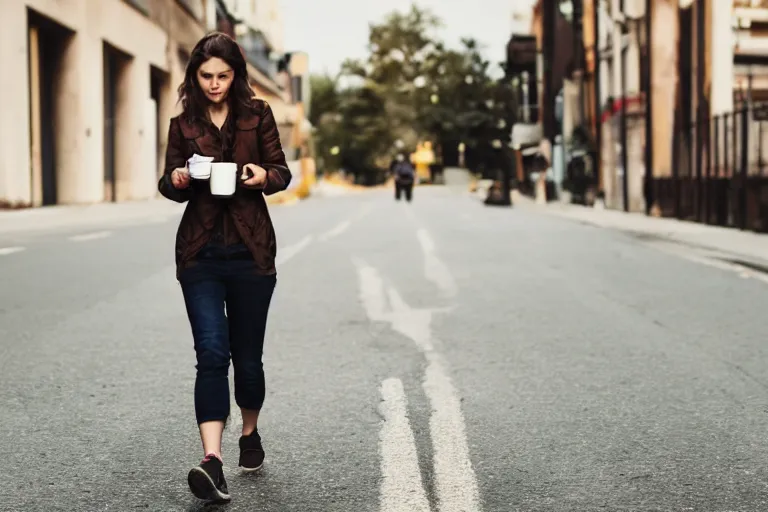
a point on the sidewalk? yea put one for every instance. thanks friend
(124, 213)
(731, 243)
(98, 214)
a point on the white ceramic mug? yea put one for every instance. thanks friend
(223, 178)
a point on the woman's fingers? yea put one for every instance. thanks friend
(180, 178)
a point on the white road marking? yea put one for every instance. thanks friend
(434, 268)
(286, 253)
(457, 489)
(344, 225)
(10, 250)
(341, 228)
(412, 323)
(401, 488)
(90, 236)
(371, 292)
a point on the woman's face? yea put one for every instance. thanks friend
(215, 78)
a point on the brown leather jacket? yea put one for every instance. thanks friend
(257, 141)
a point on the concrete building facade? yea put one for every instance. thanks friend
(276, 76)
(88, 96)
(94, 85)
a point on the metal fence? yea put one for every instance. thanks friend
(721, 176)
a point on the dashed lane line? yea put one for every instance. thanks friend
(4, 251)
(90, 236)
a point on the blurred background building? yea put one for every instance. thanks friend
(94, 84)
(667, 96)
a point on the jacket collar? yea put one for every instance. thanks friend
(201, 128)
(202, 133)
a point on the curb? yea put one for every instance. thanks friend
(683, 233)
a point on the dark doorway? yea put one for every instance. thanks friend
(159, 91)
(115, 63)
(47, 43)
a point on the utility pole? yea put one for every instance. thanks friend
(701, 111)
(578, 52)
(548, 54)
(549, 122)
(648, 86)
(624, 158)
(597, 157)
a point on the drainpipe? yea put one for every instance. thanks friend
(548, 50)
(578, 52)
(597, 157)
(548, 101)
(624, 159)
(649, 192)
(701, 113)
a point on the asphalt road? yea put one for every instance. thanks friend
(441, 356)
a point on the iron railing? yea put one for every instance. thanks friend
(721, 176)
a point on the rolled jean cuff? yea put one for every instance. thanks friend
(250, 404)
(210, 417)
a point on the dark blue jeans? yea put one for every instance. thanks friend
(227, 305)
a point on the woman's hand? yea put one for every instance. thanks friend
(180, 178)
(259, 178)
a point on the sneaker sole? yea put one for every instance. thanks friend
(203, 487)
(251, 470)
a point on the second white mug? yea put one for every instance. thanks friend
(223, 178)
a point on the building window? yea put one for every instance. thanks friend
(194, 7)
(141, 5)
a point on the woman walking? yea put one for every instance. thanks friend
(225, 247)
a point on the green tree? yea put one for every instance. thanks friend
(409, 88)
(398, 48)
(325, 97)
(366, 133)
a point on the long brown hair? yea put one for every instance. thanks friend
(240, 95)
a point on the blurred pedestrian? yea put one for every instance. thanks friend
(225, 247)
(405, 176)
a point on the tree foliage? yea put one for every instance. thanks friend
(410, 88)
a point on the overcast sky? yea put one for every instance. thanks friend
(331, 31)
